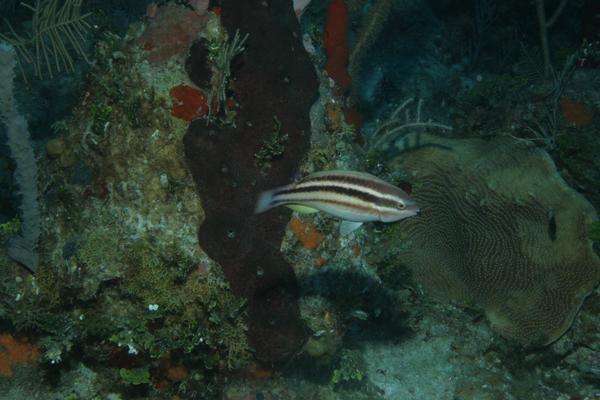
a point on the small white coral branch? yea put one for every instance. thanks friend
(395, 125)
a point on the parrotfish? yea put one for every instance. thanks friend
(354, 197)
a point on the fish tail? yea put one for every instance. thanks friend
(265, 201)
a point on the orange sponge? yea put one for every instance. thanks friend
(15, 351)
(576, 112)
(306, 232)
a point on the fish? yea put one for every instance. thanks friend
(352, 196)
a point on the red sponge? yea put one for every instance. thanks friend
(334, 40)
(188, 103)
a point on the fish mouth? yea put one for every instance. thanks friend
(410, 211)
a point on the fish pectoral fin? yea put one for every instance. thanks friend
(347, 227)
(302, 209)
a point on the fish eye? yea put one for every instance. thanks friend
(401, 206)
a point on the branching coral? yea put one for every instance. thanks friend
(53, 29)
(222, 59)
(395, 125)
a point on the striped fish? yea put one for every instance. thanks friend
(354, 197)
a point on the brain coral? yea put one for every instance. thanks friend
(499, 229)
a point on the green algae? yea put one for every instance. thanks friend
(272, 148)
(9, 229)
(135, 376)
(192, 310)
(351, 368)
(101, 115)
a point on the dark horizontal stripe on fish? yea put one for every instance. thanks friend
(366, 197)
(355, 180)
(365, 210)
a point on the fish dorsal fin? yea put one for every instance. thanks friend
(342, 172)
(347, 227)
(302, 209)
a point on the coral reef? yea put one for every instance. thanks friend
(80, 382)
(326, 327)
(122, 279)
(157, 281)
